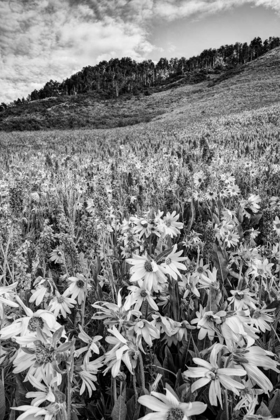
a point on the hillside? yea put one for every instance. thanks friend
(246, 87)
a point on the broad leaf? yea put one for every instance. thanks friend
(119, 410)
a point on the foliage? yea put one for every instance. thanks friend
(142, 275)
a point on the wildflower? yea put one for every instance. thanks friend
(188, 284)
(77, 288)
(45, 394)
(172, 263)
(112, 313)
(276, 225)
(261, 268)
(42, 355)
(61, 304)
(145, 329)
(7, 297)
(216, 376)
(253, 203)
(171, 226)
(200, 270)
(91, 344)
(38, 295)
(57, 256)
(143, 227)
(123, 350)
(231, 239)
(87, 373)
(169, 407)
(51, 412)
(252, 357)
(209, 279)
(260, 319)
(29, 324)
(206, 322)
(143, 268)
(140, 295)
(242, 299)
(235, 329)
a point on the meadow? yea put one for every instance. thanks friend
(140, 271)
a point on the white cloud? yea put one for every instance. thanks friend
(51, 39)
(40, 40)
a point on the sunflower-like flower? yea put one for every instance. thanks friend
(148, 270)
(28, 325)
(172, 264)
(242, 299)
(252, 357)
(87, 373)
(61, 304)
(139, 295)
(91, 347)
(123, 350)
(210, 372)
(77, 288)
(112, 313)
(170, 224)
(168, 406)
(146, 330)
(260, 319)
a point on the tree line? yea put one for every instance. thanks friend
(116, 77)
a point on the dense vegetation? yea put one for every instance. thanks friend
(87, 332)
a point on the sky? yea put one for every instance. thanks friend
(42, 40)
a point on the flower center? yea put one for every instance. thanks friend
(200, 270)
(239, 296)
(168, 222)
(148, 266)
(143, 293)
(168, 261)
(175, 414)
(144, 224)
(213, 374)
(44, 354)
(260, 271)
(60, 299)
(277, 226)
(80, 284)
(256, 314)
(34, 323)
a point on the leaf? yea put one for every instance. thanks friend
(263, 410)
(2, 401)
(168, 362)
(21, 391)
(220, 259)
(274, 403)
(175, 300)
(119, 410)
(163, 254)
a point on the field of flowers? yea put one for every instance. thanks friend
(140, 272)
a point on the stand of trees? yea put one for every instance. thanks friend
(125, 76)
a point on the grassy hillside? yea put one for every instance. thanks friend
(251, 86)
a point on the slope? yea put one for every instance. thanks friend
(251, 86)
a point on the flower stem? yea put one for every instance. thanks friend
(142, 373)
(70, 369)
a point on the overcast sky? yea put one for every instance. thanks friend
(52, 39)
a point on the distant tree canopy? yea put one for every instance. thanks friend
(125, 76)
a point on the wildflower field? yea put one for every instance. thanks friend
(140, 271)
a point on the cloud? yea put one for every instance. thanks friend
(51, 39)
